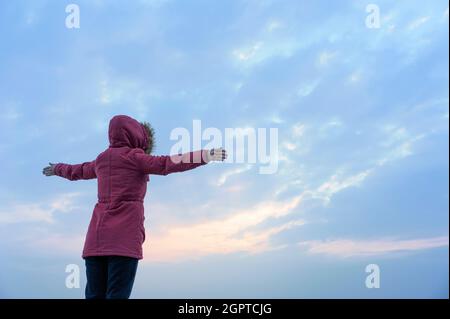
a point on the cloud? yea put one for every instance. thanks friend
(325, 58)
(399, 143)
(298, 130)
(26, 213)
(113, 91)
(354, 248)
(329, 128)
(355, 77)
(229, 234)
(396, 144)
(248, 53)
(40, 212)
(10, 111)
(273, 25)
(276, 119)
(308, 88)
(105, 95)
(289, 146)
(401, 151)
(10, 114)
(339, 182)
(418, 22)
(233, 233)
(335, 122)
(224, 176)
(265, 47)
(58, 243)
(221, 236)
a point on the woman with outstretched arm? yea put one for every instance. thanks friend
(113, 244)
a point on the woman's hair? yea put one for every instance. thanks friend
(151, 137)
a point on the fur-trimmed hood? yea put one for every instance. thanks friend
(126, 131)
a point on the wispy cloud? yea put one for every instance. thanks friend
(10, 111)
(308, 88)
(226, 175)
(298, 130)
(221, 236)
(330, 125)
(262, 51)
(38, 212)
(234, 233)
(399, 144)
(10, 114)
(267, 44)
(354, 248)
(339, 182)
(245, 54)
(273, 25)
(355, 77)
(418, 22)
(325, 58)
(65, 244)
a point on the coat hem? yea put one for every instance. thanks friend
(111, 253)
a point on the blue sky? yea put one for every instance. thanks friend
(362, 118)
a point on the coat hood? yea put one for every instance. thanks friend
(126, 131)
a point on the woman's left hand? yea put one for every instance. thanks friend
(217, 154)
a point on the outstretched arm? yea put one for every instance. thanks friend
(71, 172)
(163, 165)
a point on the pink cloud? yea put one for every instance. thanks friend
(351, 248)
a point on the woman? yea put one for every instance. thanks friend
(116, 232)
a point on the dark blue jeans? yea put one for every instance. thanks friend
(110, 277)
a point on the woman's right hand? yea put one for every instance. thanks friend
(49, 170)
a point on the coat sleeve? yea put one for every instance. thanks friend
(167, 164)
(76, 172)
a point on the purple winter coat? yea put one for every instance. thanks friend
(117, 223)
